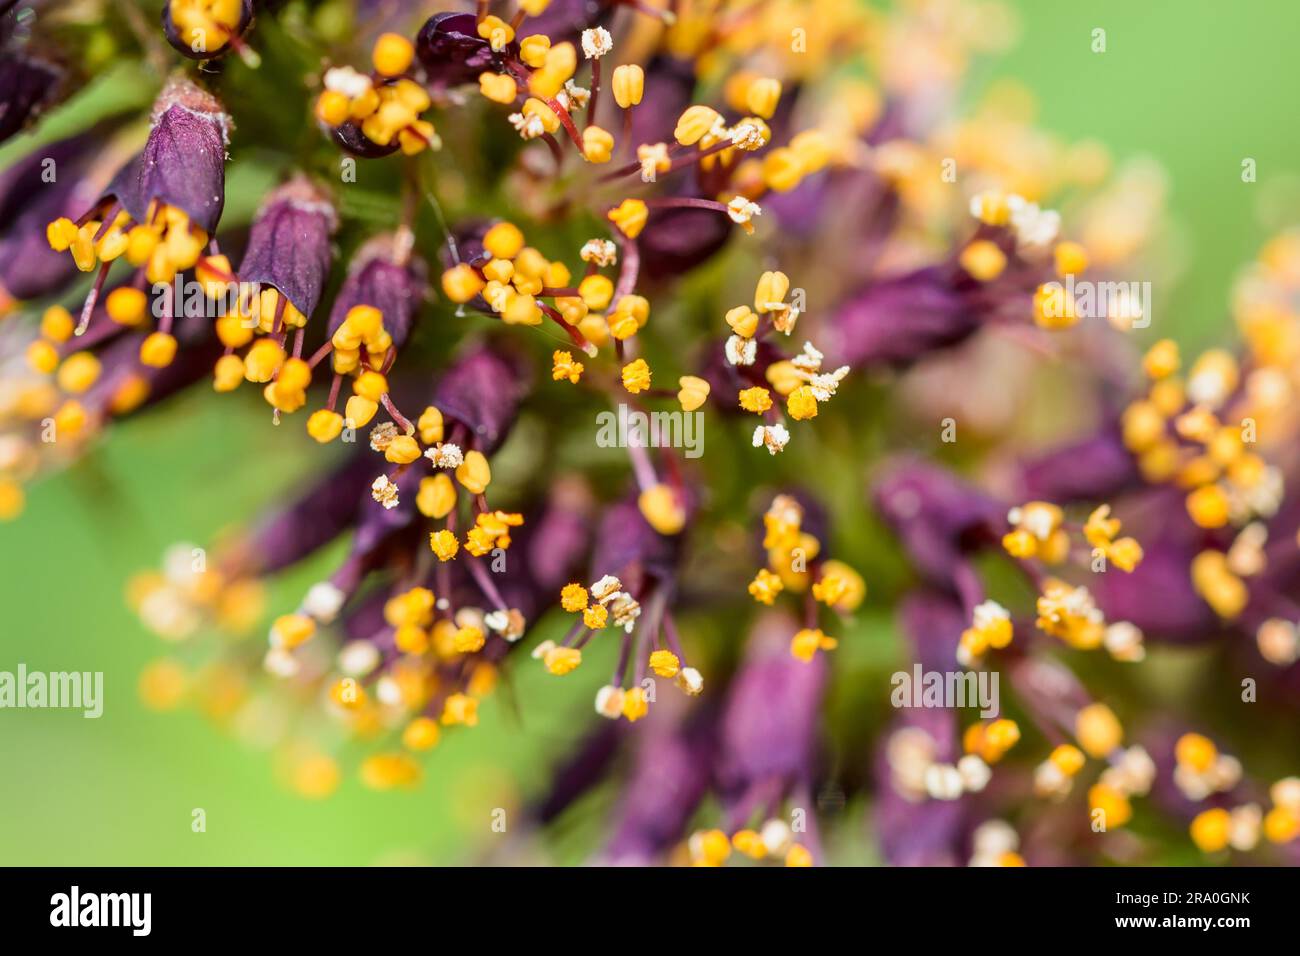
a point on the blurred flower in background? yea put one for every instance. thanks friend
(879, 385)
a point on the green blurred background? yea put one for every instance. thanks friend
(1196, 84)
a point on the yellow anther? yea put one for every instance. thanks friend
(762, 96)
(662, 509)
(474, 473)
(392, 54)
(807, 642)
(79, 371)
(574, 598)
(983, 260)
(291, 630)
(665, 663)
(533, 49)
(503, 240)
(436, 497)
(756, 399)
(597, 145)
(359, 411)
(694, 124)
(1210, 830)
(636, 376)
(635, 705)
(421, 734)
(629, 85)
(57, 324)
(1098, 730)
(42, 357)
(562, 660)
(461, 283)
(228, 373)
(564, 367)
(629, 216)
(158, 350)
(1071, 258)
(498, 87)
(1195, 751)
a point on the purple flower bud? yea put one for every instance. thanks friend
(560, 537)
(932, 622)
(676, 240)
(897, 321)
(451, 51)
(1092, 469)
(769, 723)
(183, 162)
(482, 392)
(196, 44)
(1157, 596)
(289, 246)
(383, 274)
(325, 511)
(937, 517)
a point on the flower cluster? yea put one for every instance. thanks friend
(448, 307)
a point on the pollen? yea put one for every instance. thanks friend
(636, 376)
(756, 399)
(444, 544)
(807, 642)
(573, 598)
(765, 587)
(664, 663)
(562, 660)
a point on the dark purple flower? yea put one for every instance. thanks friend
(768, 735)
(26, 85)
(919, 830)
(669, 778)
(289, 246)
(898, 320)
(1091, 469)
(937, 517)
(183, 162)
(452, 53)
(482, 392)
(318, 516)
(55, 180)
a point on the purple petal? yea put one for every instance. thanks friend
(289, 246)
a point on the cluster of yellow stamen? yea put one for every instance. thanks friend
(773, 842)
(990, 628)
(386, 107)
(1182, 432)
(790, 553)
(1130, 771)
(917, 773)
(1202, 771)
(187, 593)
